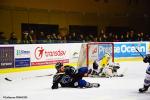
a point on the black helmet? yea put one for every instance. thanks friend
(58, 65)
(147, 58)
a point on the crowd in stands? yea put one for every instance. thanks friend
(32, 38)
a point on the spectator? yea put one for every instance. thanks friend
(13, 39)
(116, 39)
(54, 37)
(91, 37)
(74, 37)
(81, 38)
(40, 38)
(104, 38)
(2, 38)
(139, 37)
(26, 39)
(142, 36)
(69, 38)
(127, 38)
(110, 37)
(59, 39)
(64, 39)
(122, 39)
(132, 36)
(99, 39)
(95, 39)
(33, 35)
(48, 39)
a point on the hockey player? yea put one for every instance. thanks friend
(107, 68)
(98, 66)
(68, 76)
(147, 76)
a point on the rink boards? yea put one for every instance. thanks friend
(23, 57)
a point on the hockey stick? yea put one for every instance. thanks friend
(8, 79)
(138, 51)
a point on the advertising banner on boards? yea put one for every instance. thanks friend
(129, 49)
(22, 55)
(6, 57)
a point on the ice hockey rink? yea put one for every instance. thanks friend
(28, 87)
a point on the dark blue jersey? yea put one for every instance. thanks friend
(66, 79)
(69, 77)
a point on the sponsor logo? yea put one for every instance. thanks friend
(49, 62)
(129, 49)
(22, 52)
(40, 52)
(6, 57)
(6, 64)
(75, 55)
(94, 50)
(22, 62)
(105, 49)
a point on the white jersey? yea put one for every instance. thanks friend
(147, 76)
(108, 70)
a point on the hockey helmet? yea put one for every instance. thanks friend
(58, 65)
(107, 55)
(147, 58)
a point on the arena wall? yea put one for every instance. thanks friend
(102, 13)
(16, 58)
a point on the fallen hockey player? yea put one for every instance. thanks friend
(147, 76)
(68, 76)
(105, 68)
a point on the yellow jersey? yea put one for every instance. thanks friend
(104, 61)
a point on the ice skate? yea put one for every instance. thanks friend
(144, 89)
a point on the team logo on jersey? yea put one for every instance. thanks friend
(66, 79)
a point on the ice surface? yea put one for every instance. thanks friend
(29, 87)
